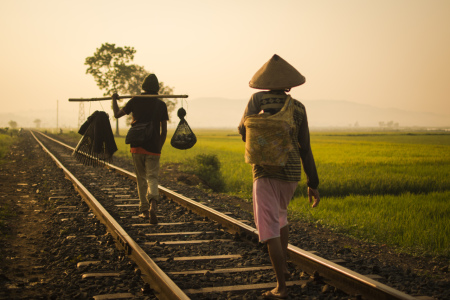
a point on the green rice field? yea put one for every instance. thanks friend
(383, 187)
(5, 143)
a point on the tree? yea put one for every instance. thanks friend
(110, 66)
(12, 124)
(38, 123)
(110, 69)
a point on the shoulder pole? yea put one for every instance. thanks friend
(126, 97)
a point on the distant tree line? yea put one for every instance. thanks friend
(11, 130)
(390, 124)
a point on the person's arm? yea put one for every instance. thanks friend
(163, 133)
(117, 112)
(309, 165)
(313, 193)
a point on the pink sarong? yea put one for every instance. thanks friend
(271, 198)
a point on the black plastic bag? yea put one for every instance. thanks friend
(183, 138)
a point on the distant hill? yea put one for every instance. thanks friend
(344, 113)
(221, 112)
(227, 113)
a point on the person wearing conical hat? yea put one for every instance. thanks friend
(146, 156)
(274, 188)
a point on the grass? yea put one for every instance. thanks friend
(417, 223)
(5, 143)
(226, 145)
(364, 166)
(229, 148)
(5, 210)
(383, 187)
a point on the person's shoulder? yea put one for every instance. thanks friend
(298, 103)
(143, 96)
(133, 100)
(129, 103)
(299, 107)
(161, 102)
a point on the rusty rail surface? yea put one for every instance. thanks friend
(334, 274)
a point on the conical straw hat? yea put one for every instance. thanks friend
(276, 74)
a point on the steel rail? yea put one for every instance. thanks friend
(232, 224)
(338, 276)
(151, 273)
(343, 278)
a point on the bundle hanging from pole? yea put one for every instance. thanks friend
(183, 137)
(97, 145)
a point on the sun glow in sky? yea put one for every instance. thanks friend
(386, 53)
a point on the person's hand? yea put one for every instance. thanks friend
(115, 96)
(313, 193)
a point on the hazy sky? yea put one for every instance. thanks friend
(386, 53)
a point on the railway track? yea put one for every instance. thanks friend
(197, 252)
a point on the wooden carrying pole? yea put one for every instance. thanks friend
(126, 97)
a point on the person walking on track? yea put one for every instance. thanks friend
(273, 188)
(146, 156)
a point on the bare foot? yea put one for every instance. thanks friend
(275, 294)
